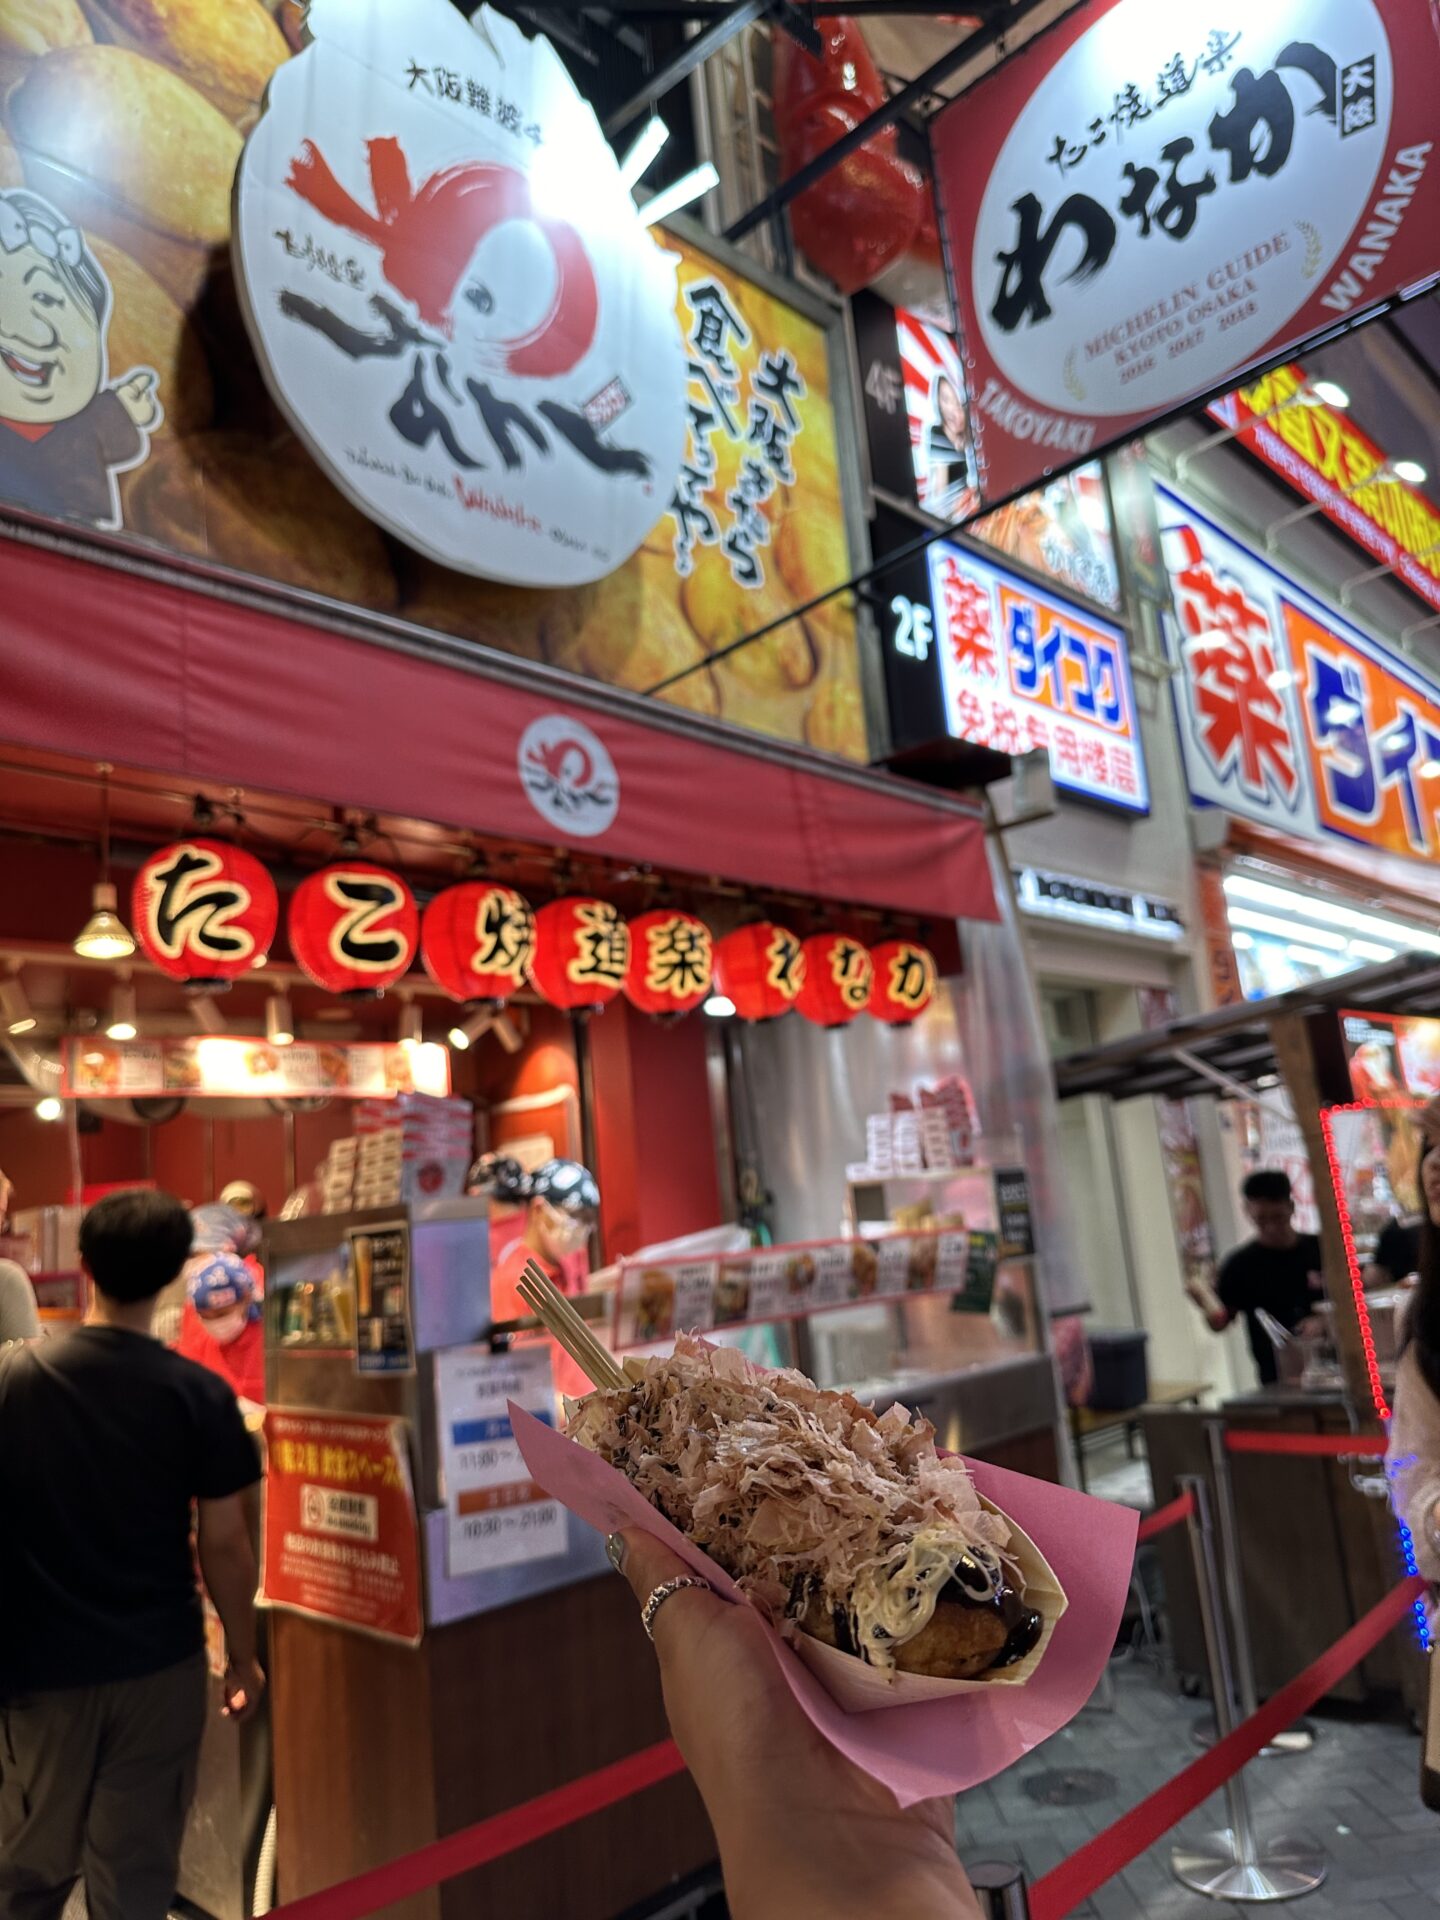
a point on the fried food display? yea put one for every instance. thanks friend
(226, 49)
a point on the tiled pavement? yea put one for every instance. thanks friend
(1355, 1794)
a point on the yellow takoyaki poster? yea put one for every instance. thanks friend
(132, 401)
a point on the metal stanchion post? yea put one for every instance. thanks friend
(1301, 1737)
(1000, 1889)
(1232, 1864)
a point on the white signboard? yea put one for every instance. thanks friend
(452, 296)
(496, 1515)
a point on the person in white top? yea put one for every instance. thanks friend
(19, 1319)
(1413, 1459)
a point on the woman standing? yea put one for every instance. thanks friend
(1413, 1459)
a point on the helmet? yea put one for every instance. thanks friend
(245, 1197)
(223, 1280)
(567, 1186)
(501, 1177)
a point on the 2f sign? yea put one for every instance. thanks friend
(914, 627)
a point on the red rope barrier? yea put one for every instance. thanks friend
(1352, 1446)
(1075, 1879)
(488, 1839)
(1163, 1517)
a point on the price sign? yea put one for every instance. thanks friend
(834, 1280)
(496, 1515)
(892, 1272)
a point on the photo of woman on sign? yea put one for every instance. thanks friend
(950, 490)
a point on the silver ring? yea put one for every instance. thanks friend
(662, 1593)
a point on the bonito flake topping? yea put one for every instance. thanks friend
(797, 1492)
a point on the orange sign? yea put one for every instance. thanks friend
(1374, 741)
(1324, 455)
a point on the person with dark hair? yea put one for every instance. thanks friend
(64, 433)
(108, 1442)
(1413, 1459)
(19, 1316)
(1277, 1273)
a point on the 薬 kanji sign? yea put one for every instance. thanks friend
(1288, 715)
(1147, 201)
(1022, 669)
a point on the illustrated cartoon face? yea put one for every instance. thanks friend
(52, 353)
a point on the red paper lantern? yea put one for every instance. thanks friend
(837, 979)
(672, 961)
(582, 948)
(904, 983)
(477, 940)
(204, 912)
(354, 928)
(760, 969)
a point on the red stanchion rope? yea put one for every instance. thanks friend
(1165, 1517)
(1351, 1446)
(488, 1839)
(1075, 1879)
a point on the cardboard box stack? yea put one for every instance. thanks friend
(403, 1151)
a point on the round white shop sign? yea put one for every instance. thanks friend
(568, 776)
(452, 297)
(1175, 189)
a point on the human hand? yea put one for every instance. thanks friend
(244, 1685)
(137, 396)
(801, 1828)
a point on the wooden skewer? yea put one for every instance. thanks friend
(550, 1306)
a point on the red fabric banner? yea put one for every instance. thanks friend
(1330, 1446)
(132, 670)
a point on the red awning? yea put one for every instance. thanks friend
(120, 666)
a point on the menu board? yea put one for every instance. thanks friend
(380, 1269)
(496, 1516)
(236, 1067)
(656, 1299)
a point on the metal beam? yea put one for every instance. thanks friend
(694, 54)
(894, 109)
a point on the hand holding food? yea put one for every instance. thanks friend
(834, 1523)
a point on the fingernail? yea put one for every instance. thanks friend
(615, 1550)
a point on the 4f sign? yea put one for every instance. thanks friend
(452, 296)
(1170, 198)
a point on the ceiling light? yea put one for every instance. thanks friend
(279, 1021)
(1368, 950)
(690, 186)
(15, 1009)
(640, 157)
(122, 1022)
(1309, 958)
(1242, 942)
(205, 1014)
(1409, 939)
(104, 935)
(411, 1030)
(49, 1108)
(1330, 394)
(463, 1035)
(1284, 929)
(719, 1007)
(511, 1038)
(1410, 471)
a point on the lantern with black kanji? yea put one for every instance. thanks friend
(904, 982)
(476, 940)
(837, 979)
(354, 928)
(582, 948)
(672, 960)
(204, 912)
(760, 969)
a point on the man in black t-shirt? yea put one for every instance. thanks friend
(1397, 1253)
(107, 1444)
(1278, 1272)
